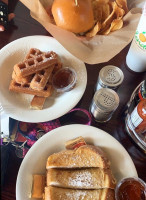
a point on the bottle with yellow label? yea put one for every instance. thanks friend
(136, 57)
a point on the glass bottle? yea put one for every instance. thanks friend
(136, 124)
(138, 94)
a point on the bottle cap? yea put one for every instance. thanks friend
(106, 99)
(111, 76)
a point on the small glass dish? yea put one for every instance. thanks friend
(64, 79)
(131, 188)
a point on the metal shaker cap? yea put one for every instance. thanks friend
(111, 76)
(106, 99)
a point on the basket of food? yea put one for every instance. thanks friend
(89, 29)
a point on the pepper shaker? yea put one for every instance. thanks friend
(103, 105)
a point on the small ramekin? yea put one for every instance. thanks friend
(72, 79)
(128, 179)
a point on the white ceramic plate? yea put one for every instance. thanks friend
(35, 160)
(17, 105)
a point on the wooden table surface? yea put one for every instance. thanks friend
(23, 25)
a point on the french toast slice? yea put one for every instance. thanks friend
(56, 193)
(83, 157)
(38, 186)
(90, 178)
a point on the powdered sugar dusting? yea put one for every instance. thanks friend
(76, 195)
(78, 158)
(81, 179)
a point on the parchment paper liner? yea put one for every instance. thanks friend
(98, 49)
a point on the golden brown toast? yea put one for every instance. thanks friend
(90, 178)
(56, 193)
(83, 157)
(38, 186)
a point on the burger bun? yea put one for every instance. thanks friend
(77, 18)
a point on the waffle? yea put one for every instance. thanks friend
(41, 78)
(35, 64)
(35, 52)
(20, 79)
(34, 76)
(32, 53)
(38, 102)
(25, 88)
(58, 66)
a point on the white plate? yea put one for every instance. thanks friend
(17, 105)
(35, 160)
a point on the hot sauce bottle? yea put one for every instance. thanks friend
(138, 94)
(136, 124)
(137, 119)
(141, 92)
(135, 116)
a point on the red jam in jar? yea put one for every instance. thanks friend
(65, 79)
(131, 189)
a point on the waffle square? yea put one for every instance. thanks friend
(25, 88)
(35, 64)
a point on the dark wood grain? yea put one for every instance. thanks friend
(23, 25)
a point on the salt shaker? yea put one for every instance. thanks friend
(109, 77)
(103, 105)
(136, 57)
